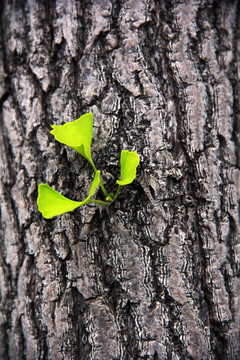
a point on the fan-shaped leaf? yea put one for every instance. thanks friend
(129, 162)
(51, 203)
(77, 134)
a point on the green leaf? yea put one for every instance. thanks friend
(77, 134)
(129, 162)
(51, 203)
(94, 185)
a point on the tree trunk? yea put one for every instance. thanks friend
(157, 276)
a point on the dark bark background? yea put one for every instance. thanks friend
(158, 275)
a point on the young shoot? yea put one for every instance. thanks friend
(78, 135)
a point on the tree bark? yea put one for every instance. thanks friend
(157, 276)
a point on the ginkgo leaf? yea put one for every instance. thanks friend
(129, 162)
(77, 134)
(94, 185)
(51, 203)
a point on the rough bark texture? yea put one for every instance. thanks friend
(158, 275)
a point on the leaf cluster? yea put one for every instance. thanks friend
(78, 135)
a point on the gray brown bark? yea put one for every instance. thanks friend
(157, 276)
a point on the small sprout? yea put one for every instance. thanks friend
(78, 135)
(109, 198)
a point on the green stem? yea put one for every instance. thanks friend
(94, 167)
(116, 195)
(101, 184)
(103, 188)
(99, 202)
